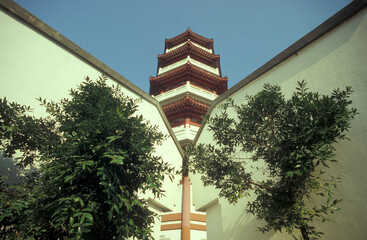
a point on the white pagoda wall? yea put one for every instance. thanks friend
(32, 66)
(337, 59)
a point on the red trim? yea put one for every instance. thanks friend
(183, 37)
(173, 226)
(197, 124)
(177, 226)
(188, 72)
(185, 216)
(185, 50)
(198, 217)
(177, 217)
(198, 227)
(176, 124)
(185, 105)
(171, 217)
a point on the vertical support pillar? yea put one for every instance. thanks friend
(185, 222)
(187, 121)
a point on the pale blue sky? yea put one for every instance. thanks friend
(128, 35)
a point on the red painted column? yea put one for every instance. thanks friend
(185, 222)
(187, 121)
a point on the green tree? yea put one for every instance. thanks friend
(294, 141)
(93, 156)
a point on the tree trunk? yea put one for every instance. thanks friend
(304, 232)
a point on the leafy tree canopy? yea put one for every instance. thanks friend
(293, 139)
(93, 156)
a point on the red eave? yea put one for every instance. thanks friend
(188, 72)
(185, 50)
(186, 105)
(205, 42)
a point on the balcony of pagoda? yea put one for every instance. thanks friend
(185, 134)
(185, 73)
(192, 61)
(187, 89)
(186, 49)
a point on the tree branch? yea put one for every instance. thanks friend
(259, 185)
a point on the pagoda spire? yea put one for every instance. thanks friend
(188, 72)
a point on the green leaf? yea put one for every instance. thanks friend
(110, 215)
(88, 216)
(76, 225)
(77, 214)
(71, 221)
(68, 178)
(82, 219)
(116, 208)
(289, 174)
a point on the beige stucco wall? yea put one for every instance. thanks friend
(337, 59)
(32, 66)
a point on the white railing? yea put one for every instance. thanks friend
(184, 61)
(183, 133)
(187, 88)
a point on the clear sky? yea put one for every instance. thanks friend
(127, 35)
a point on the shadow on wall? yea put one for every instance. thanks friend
(246, 227)
(214, 223)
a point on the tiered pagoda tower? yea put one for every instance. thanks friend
(188, 79)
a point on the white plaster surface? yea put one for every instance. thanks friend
(197, 235)
(32, 66)
(170, 235)
(338, 59)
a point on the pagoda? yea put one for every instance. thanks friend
(188, 79)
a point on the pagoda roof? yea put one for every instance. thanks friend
(189, 49)
(188, 72)
(186, 105)
(183, 37)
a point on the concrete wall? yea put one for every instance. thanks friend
(36, 61)
(337, 58)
